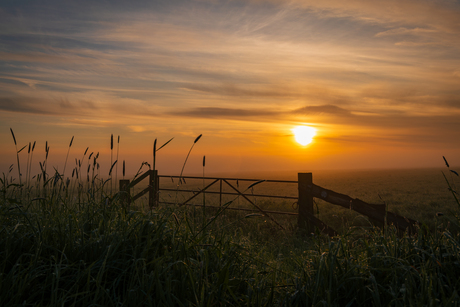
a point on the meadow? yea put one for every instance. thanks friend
(73, 243)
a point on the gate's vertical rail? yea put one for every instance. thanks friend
(220, 193)
(305, 202)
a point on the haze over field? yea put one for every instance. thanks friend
(378, 80)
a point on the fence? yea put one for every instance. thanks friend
(307, 190)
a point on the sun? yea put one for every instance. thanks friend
(304, 134)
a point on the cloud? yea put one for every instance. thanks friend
(42, 106)
(23, 105)
(227, 113)
(404, 31)
(322, 109)
(439, 14)
(137, 128)
(238, 91)
(261, 114)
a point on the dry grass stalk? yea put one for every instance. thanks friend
(17, 155)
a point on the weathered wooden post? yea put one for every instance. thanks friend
(220, 193)
(305, 202)
(125, 197)
(154, 185)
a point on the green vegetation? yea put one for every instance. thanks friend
(73, 243)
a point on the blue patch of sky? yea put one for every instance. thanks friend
(9, 81)
(307, 26)
(273, 22)
(41, 42)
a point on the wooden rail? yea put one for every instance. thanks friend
(307, 190)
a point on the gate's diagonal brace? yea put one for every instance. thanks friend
(141, 193)
(260, 209)
(139, 179)
(185, 202)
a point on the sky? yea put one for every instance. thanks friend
(378, 80)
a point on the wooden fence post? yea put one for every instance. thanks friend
(125, 197)
(154, 184)
(305, 202)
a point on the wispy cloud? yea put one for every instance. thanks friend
(323, 109)
(240, 114)
(405, 31)
(234, 90)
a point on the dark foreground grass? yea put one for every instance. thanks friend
(55, 252)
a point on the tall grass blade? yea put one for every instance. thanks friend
(14, 138)
(451, 190)
(17, 156)
(255, 183)
(165, 144)
(68, 151)
(204, 192)
(116, 169)
(154, 153)
(111, 160)
(30, 162)
(22, 148)
(27, 165)
(447, 164)
(111, 168)
(185, 162)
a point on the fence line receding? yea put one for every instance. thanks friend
(307, 190)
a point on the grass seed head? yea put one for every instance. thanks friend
(22, 148)
(14, 138)
(199, 137)
(447, 164)
(111, 168)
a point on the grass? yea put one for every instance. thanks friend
(103, 256)
(74, 245)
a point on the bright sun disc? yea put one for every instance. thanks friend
(304, 134)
